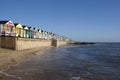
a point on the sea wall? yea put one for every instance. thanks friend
(0, 41)
(54, 43)
(60, 43)
(8, 42)
(16, 43)
(24, 43)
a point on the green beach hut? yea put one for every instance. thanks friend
(25, 31)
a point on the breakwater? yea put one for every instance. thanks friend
(82, 43)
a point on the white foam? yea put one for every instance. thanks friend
(19, 78)
(75, 78)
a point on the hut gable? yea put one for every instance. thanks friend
(18, 25)
(9, 23)
(25, 27)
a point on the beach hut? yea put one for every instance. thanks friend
(25, 31)
(57, 37)
(37, 33)
(40, 33)
(6, 27)
(30, 32)
(18, 29)
(34, 33)
(54, 36)
(60, 38)
(50, 35)
(45, 35)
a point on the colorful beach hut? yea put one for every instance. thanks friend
(18, 29)
(25, 31)
(50, 35)
(30, 32)
(6, 27)
(37, 33)
(40, 33)
(34, 32)
(44, 35)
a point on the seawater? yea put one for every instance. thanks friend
(91, 62)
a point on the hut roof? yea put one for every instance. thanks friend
(29, 27)
(16, 24)
(3, 21)
(24, 26)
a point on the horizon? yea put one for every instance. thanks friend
(79, 20)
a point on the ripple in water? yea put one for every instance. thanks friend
(93, 62)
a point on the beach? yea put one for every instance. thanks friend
(86, 62)
(9, 58)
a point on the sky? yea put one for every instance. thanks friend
(80, 20)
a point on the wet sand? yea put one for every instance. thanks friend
(9, 58)
(52, 65)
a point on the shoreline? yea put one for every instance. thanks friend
(9, 58)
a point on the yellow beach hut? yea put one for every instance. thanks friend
(18, 29)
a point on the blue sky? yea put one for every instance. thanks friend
(80, 20)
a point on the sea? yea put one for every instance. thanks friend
(100, 61)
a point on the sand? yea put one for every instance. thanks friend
(11, 57)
